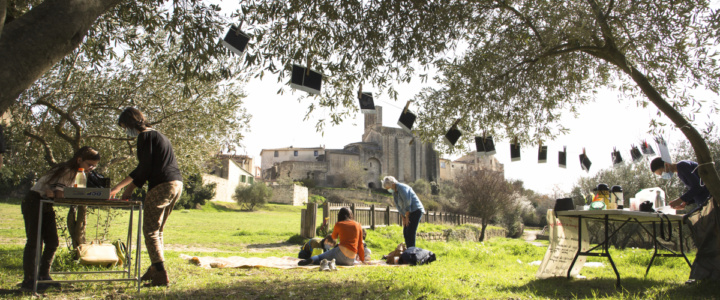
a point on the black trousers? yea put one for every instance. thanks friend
(48, 236)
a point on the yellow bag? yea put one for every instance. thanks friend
(97, 253)
(317, 251)
(121, 250)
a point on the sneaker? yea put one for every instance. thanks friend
(332, 265)
(305, 262)
(324, 265)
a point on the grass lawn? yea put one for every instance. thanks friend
(498, 269)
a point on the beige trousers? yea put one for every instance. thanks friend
(159, 203)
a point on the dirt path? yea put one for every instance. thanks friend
(530, 236)
(250, 248)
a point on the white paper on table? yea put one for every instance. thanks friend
(663, 148)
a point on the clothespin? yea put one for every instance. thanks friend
(407, 105)
(307, 71)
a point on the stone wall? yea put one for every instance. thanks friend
(462, 234)
(358, 195)
(299, 170)
(290, 194)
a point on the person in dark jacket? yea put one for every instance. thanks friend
(687, 172)
(158, 167)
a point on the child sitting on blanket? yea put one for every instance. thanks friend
(316, 246)
(367, 251)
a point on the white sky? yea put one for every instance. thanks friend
(277, 121)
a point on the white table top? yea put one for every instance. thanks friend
(618, 215)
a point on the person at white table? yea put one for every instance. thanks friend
(50, 186)
(687, 173)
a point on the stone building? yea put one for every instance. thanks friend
(449, 169)
(269, 157)
(382, 151)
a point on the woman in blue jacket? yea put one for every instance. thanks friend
(408, 205)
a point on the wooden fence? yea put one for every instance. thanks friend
(372, 216)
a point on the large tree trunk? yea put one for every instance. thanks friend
(32, 44)
(706, 170)
(613, 55)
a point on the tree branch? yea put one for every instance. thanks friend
(49, 156)
(108, 138)
(604, 26)
(3, 13)
(555, 51)
(64, 116)
(522, 17)
(611, 5)
(112, 162)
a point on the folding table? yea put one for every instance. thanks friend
(133, 275)
(624, 217)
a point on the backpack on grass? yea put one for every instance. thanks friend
(417, 256)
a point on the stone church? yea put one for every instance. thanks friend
(383, 151)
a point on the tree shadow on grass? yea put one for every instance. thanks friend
(225, 208)
(300, 289)
(602, 287)
(270, 245)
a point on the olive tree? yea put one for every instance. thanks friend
(508, 68)
(37, 34)
(75, 105)
(484, 194)
(248, 197)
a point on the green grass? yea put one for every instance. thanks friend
(496, 269)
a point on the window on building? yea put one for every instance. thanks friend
(242, 178)
(251, 180)
(295, 153)
(276, 154)
(442, 165)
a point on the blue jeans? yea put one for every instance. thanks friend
(410, 231)
(334, 253)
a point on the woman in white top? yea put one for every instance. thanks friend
(49, 186)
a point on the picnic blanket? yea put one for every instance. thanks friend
(285, 262)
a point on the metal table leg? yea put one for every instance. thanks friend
(579, 249)
(128, 253)
(655, 249)
(137, 247)
(607, 250)
(682, 247)
(38, 248)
